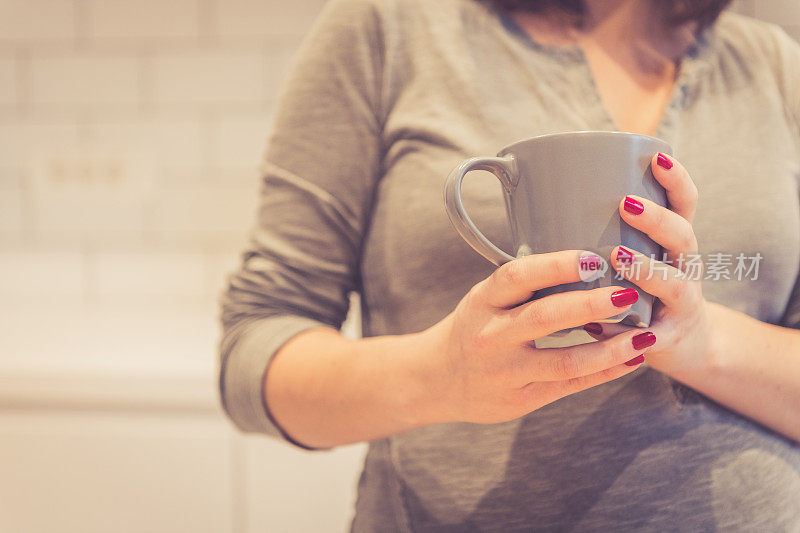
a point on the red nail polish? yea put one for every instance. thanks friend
(636, 360)
(632, 205)
(593, 327)
(643, 340)
(663, 161)
(624, 297)
(624, 255)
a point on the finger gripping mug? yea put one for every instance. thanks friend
(562, 191)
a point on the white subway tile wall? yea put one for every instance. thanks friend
(42, 275)
(37, 22)
(80, 80)
(10, 211)
(215, 77)
(113, 21)
(257, 18)
(130, 139)
(784, 12)
(24, 138)
(145, 275)
(8, 81)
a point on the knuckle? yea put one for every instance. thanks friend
(687, 240)
(692, 194)
(659, 218)
(532, 397)
(557, 267)
(678, 289)
(483, 339)
(693, 295)
(537, 315)
(474, 294)
(493, 371)
(684, 242)
(608, 374)
(669, 332)
(592, 306)
(497, 277)
(618, 351)
(692, 244)
(513, 403)
(566, 365)
(572, 385)
(511, 273)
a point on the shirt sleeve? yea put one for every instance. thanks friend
(785, 51)
(319, 171)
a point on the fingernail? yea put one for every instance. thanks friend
(624, 255)
(632, 205)
(593, 327)
(636, 360)
(624, 297)
(643, 340)
(663, 161)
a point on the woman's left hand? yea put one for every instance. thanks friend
(681, 318)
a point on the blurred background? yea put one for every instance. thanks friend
(130, 138)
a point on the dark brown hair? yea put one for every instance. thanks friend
(677, 12)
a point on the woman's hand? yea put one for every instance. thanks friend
(486, 366)
(681, 320)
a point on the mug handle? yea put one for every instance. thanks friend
(505, 169)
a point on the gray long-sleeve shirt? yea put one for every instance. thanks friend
(385, 97)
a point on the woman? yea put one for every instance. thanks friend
(471, 425)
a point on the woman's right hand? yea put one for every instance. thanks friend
(485, 363)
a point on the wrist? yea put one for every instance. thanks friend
(426, 399)
(406, 378)
(717, 348)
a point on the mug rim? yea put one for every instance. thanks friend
(596, 133)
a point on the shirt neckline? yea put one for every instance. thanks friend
(692, 63)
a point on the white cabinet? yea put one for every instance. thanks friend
(66, 471)
(94, 451)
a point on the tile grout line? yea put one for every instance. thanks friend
(238, 490)
(23, 81)
(83, 25)
(207, 22)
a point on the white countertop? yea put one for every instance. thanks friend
(67, 355)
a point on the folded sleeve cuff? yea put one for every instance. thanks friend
(243, 366)
(791, 315)
(792, 319)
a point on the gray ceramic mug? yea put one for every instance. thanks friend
(562, 191)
